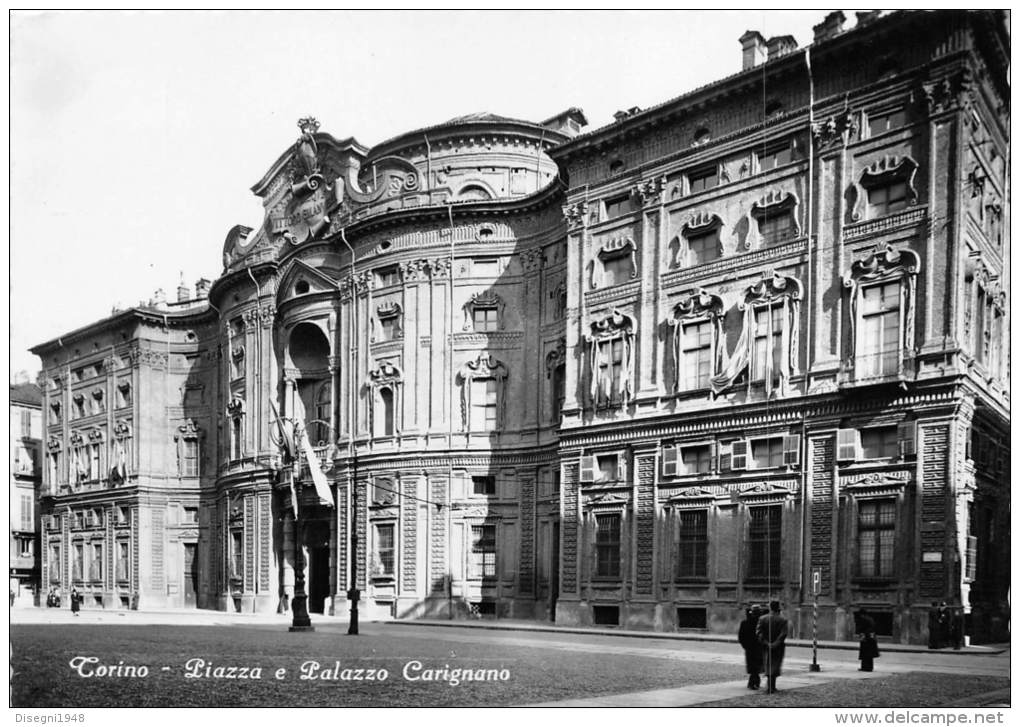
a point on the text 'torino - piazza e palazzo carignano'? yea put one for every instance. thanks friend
(748, 344)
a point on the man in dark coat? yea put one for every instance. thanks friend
(869, 644)
(933, 626)
(748, 639)
(772, 630)
(75, 601)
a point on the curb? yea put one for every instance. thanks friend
(842, 645)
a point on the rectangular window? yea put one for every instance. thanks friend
(236, 554)
(25, 547)
(483, 552)
(483, 405)
(384, 549)
(483, 485)
(124, 394)
(388, 328)
(696, 349)
(96, 566)
(488, 268)
(887, 199)
(776, 228)
(846, 445)
(618, 206)
(703, 248)
(703, 179)
(190, 458)
(764, 538)
(692, 556)
(971, 559)
(190, 515)
(617, 271)
(559, 390)
(26, 513)
(95, 471)
(878, 352)
(876, 528)
(54, 468)
(766, 453)
(609, 468)
(54, 563)
(122, 561)
(26, 423)
(611, 368)
(235, 438)
(386, 277)
(768, 342)
(775, 157)
(486, 319)
(122, 515)
(881, 123)
(696, 459)
(879, 442)
(607, 546)
(79, 561)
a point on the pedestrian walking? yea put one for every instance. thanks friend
(772, 630)
(748, 638)
(957, 628)
(75, 601)
(868, 650)
(933, 626)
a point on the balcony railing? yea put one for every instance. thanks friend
(878, 367)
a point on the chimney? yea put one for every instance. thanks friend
(830, 27)
(202, 287)
(158, 298)
(569, 122)
(753, 44)
(183, 293)
(866, 18)
(781, 45)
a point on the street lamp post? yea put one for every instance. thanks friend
(353, 595)
(299, 605)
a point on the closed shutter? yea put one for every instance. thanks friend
(725, 458)
(846, 445)
(907, 434)
(739, 460)
(669, 461)
(588, 469)
(791, 449)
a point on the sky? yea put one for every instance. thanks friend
(136, 136)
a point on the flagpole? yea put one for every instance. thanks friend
(299, 605)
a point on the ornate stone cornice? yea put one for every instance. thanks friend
(385, 373)
(880, 262)
(700, 222)
(697, 304)
(840, 127)
(770, 288)
(650, 191)
(614, 324)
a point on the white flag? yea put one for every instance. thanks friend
(321, 486)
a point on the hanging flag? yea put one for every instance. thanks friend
(293, 494)
(318, 478)
(286, 434)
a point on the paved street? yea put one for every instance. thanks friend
(432, 665)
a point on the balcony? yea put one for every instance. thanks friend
(898, 365)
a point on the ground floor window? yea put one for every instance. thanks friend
(482, 562)
(764, 541)
(692, 553)
(876, 528)
(607, 546)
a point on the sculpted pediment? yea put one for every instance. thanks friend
(299, 278)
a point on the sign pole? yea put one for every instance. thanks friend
(816, 586)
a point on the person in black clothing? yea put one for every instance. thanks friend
(933, 626)
(75, 601)
(957, 628)
(772, 631)
(752, 648)
(869, 644)
(945, 625)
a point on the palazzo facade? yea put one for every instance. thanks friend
(751, 343)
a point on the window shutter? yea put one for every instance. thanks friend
(846, 445)
(739, 460)
(908, 438)
(621, 468)
(725, 458)
(588, 468)
(791, 449)
(713, 464)
(669, 461)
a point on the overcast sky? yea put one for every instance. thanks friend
(136, 136)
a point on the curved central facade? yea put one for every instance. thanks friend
(407, 304)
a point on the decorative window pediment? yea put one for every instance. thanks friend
(385, 387)
(885, 186)
(556, 357)
(697, 304)
(96, 435)
(618, 258)
(480, 310)
(235, 407)
(611, 359)
(54, 444)
(768, 345)
(187, 439)
(476, 404)
(776, 217)
(385, 373)
(701, 222)
(390, 315)
(697, 331)
(882, 290)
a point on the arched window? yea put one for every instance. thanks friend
(323, 406)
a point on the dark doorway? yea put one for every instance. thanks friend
(554, 571)
(190, 574)
(318, 579)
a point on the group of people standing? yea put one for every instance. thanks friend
(763, 637)
(945, 626)
(764, 640)
(53, 600)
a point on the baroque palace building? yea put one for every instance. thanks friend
(750, 343)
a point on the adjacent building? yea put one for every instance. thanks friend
(26, 478)
(751, 343)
